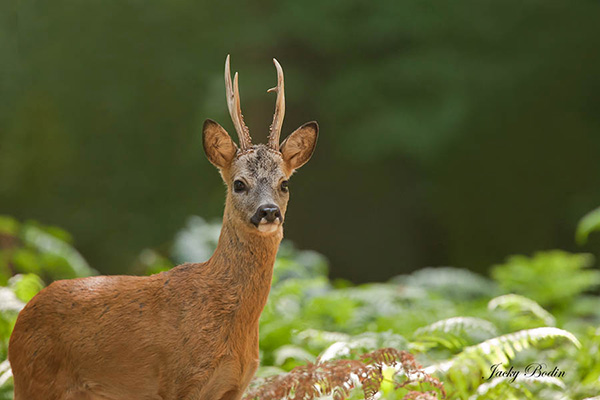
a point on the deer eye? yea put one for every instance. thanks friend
(284, 186)
(239, 186)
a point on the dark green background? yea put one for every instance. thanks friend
(451, 132)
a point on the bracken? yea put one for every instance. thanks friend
(338, 377)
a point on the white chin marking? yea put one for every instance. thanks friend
(268, 228)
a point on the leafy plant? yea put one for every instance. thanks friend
(323, 339)
(552, 278)
(338, 377)
(467, 370)
(455, 333)
(519, 312)
(588, 224)
(46, 251)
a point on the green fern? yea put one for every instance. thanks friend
(56, 242)
(587, 362)
(547, 388)
(467, 370)
(290, 356)
(551, 278)
(455, 333)
(518, 312)
(588, 224)
(317, 340)
(46, 251)
(450, 282)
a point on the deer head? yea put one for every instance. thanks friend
(257, 175)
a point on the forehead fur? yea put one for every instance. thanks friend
(261, 162)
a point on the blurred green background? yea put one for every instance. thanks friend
(451, 132)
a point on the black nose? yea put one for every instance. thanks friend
(270, 212)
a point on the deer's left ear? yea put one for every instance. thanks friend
(300, 145)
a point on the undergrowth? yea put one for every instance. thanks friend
(438, 333)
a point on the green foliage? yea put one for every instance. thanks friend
(363, 343)
(467, 370)
(588, 224)
(552, 278)
(386, 370)
(518, 312)
(450, 282)
(455, 333)
(456, 323)
(547, 388)
(46, 251)
(26, 286)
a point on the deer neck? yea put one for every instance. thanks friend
(242, 265)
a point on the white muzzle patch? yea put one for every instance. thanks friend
(268, 227)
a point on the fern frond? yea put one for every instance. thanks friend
(420, 396)
(457, 332)
(337, 378)
(502, 349)
(522, 312)
(5, 372)
(451, 282)
(370, 301)
(588, 224)
(366, 342)
(9, 302)
(550, 278)
(294, 355)
(467, 369)
(316, 340)
(519, 389)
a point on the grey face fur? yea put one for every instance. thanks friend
(263, 175)
(254, 177)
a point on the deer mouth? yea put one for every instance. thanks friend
(265, 226)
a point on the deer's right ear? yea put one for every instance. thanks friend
(218, 146)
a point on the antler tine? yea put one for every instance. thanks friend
(275, 130)
(233, 104)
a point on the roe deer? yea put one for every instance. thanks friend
(191, 332)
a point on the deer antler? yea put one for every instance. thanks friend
(233, 103)
(275, 130)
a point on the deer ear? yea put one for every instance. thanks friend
(218, 146)
(300, 145)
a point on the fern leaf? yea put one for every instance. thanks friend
(42, 240)
(457, 332)
(337, 378)
(363, 343)
(467, 369)
(289, 356)
(5, 372)
(588, 224)
(549, 277)
(451, 282)
(519, 389)
(316, 340)
(522, 312)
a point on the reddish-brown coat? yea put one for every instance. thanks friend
(187, 334)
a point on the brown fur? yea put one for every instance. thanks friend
(190, 333)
